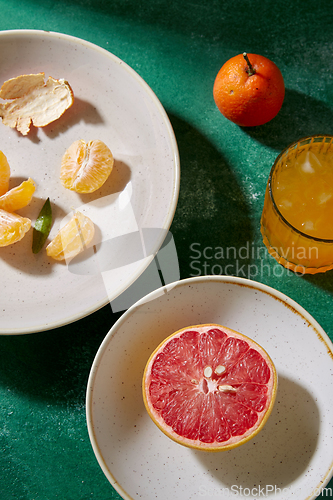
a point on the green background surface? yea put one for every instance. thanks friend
(178, 48)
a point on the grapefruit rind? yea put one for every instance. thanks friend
(235, 441)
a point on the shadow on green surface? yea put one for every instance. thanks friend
(54, 365)
(212, 222)
(259, 25)
(10, 475)
(300, 116)
(321, 280)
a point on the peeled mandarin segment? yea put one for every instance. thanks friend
(13, 227)
(86, 166)
(72, 238)
(32, 100)
(18, 197)
(4, 174)
(208, 387)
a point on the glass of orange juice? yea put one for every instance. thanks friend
(297, 218)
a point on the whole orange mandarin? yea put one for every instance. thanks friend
(249, 90)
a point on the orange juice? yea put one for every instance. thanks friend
(297, 220)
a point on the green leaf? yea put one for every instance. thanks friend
(42, 227)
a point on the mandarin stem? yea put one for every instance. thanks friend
(250, 69)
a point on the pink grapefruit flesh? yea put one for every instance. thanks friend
(209, 387)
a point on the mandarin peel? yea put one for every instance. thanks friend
(31, 100)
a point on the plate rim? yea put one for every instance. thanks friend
(36, 33)
(233, 280)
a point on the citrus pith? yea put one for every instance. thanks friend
(13, 227)
(209, 387)
(86, 166)
(31, 100)
(249, 91)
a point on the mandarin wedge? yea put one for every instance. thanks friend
(72, 238)
(4, 174)
(18, 197)
(86, 166)
(13, 228)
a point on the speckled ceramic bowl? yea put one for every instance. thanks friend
(112, 103)
(290, 458)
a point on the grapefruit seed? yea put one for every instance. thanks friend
(209, 387)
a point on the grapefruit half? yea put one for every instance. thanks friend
(209, 388)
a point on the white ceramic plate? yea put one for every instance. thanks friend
(113, 104)
(290, 458)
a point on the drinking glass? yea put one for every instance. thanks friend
(304, 170)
